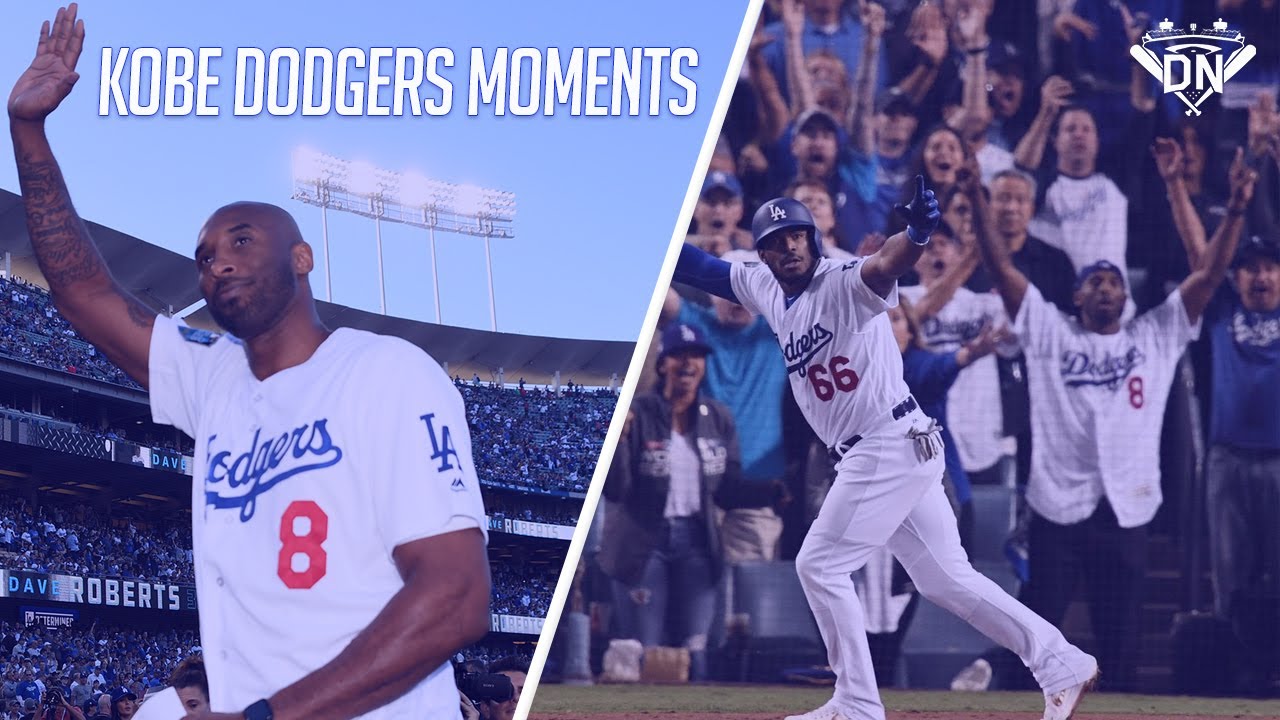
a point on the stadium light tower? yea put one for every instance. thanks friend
(405, 198)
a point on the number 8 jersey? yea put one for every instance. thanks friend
(304, 485)
(842, 359)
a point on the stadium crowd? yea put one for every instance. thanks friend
(1055, 157)
(32, 330)
(532, 508)
(536, 439)
(522, 437)
(75, 540)
(85, 663)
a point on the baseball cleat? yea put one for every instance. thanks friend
(1062, 704)
(976, 677)
(826, 712)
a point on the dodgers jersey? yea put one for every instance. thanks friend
(304, 485)
(975, 416)
(842, 359)
(1097, 407)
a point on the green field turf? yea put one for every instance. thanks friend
(787, 698)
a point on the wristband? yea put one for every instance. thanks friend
(260, 710)
(913, 236)
(978, 50)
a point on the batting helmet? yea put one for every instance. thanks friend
(782, 213)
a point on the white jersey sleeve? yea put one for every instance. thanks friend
(1038, 323)
(423, 476)
(866, 302)
(1166, 326)
(176, 373)
(754, 285)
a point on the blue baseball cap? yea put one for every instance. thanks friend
(1100, 266)
(723, 181)
(1254, 247)
(678, 337)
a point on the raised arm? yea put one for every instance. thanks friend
(1009, 280)
(862, 111)
(1053, 97)
(704, 271)
(928, 33)
(771, 106)
(1203, 281)
(900, 252)
(799, 85)
(82, 288)
(1168, 156)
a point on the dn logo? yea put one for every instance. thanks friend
(776, 213)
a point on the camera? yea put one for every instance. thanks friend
(492, 687)
(53, 698)
(481, 686)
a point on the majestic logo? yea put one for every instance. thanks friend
(1191, 63)
(1080, 370)
(798, 351)
(237, 483)
(776, 213)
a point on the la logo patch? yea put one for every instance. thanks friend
(1192, 64)
(776, 213)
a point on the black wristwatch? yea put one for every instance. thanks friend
(260, 710)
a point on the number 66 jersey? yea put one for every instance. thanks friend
(842, 360)
(304, 484)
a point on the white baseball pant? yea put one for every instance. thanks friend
(884, 494)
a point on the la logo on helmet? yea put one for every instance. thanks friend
(1192, 64)
(776, 213)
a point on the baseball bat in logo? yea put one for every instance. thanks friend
(1192, 64)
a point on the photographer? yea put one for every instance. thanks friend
(56, 707)
(492, 695)
(514, 669)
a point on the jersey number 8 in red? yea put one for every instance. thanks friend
(308, 545)
(842, 378)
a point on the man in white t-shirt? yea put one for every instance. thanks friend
(337, 523)
(845, 370)
(1098, 391)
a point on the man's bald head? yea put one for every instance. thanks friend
(275, 220)
(253, 265)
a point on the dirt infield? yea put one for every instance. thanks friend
(891, 715)
(773, 702)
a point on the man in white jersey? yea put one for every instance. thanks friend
(337, 523)
(1098, 392)
(846, 372)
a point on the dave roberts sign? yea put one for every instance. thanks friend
(1194, 63)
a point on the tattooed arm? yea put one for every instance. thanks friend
(83, 290)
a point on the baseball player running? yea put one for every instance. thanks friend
(846, 372)
(337, 521)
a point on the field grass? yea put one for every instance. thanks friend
(782, 699)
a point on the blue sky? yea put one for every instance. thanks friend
(597, 196)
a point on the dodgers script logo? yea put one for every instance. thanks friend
(1191, 64)
(237, 482)
(799, 351)
(1081, 370)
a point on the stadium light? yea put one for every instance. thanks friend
(408, 198)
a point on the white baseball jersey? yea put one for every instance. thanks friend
(1097, 406)
(974, 413)
(842, 359)
(304, 485)
(1086, 219)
